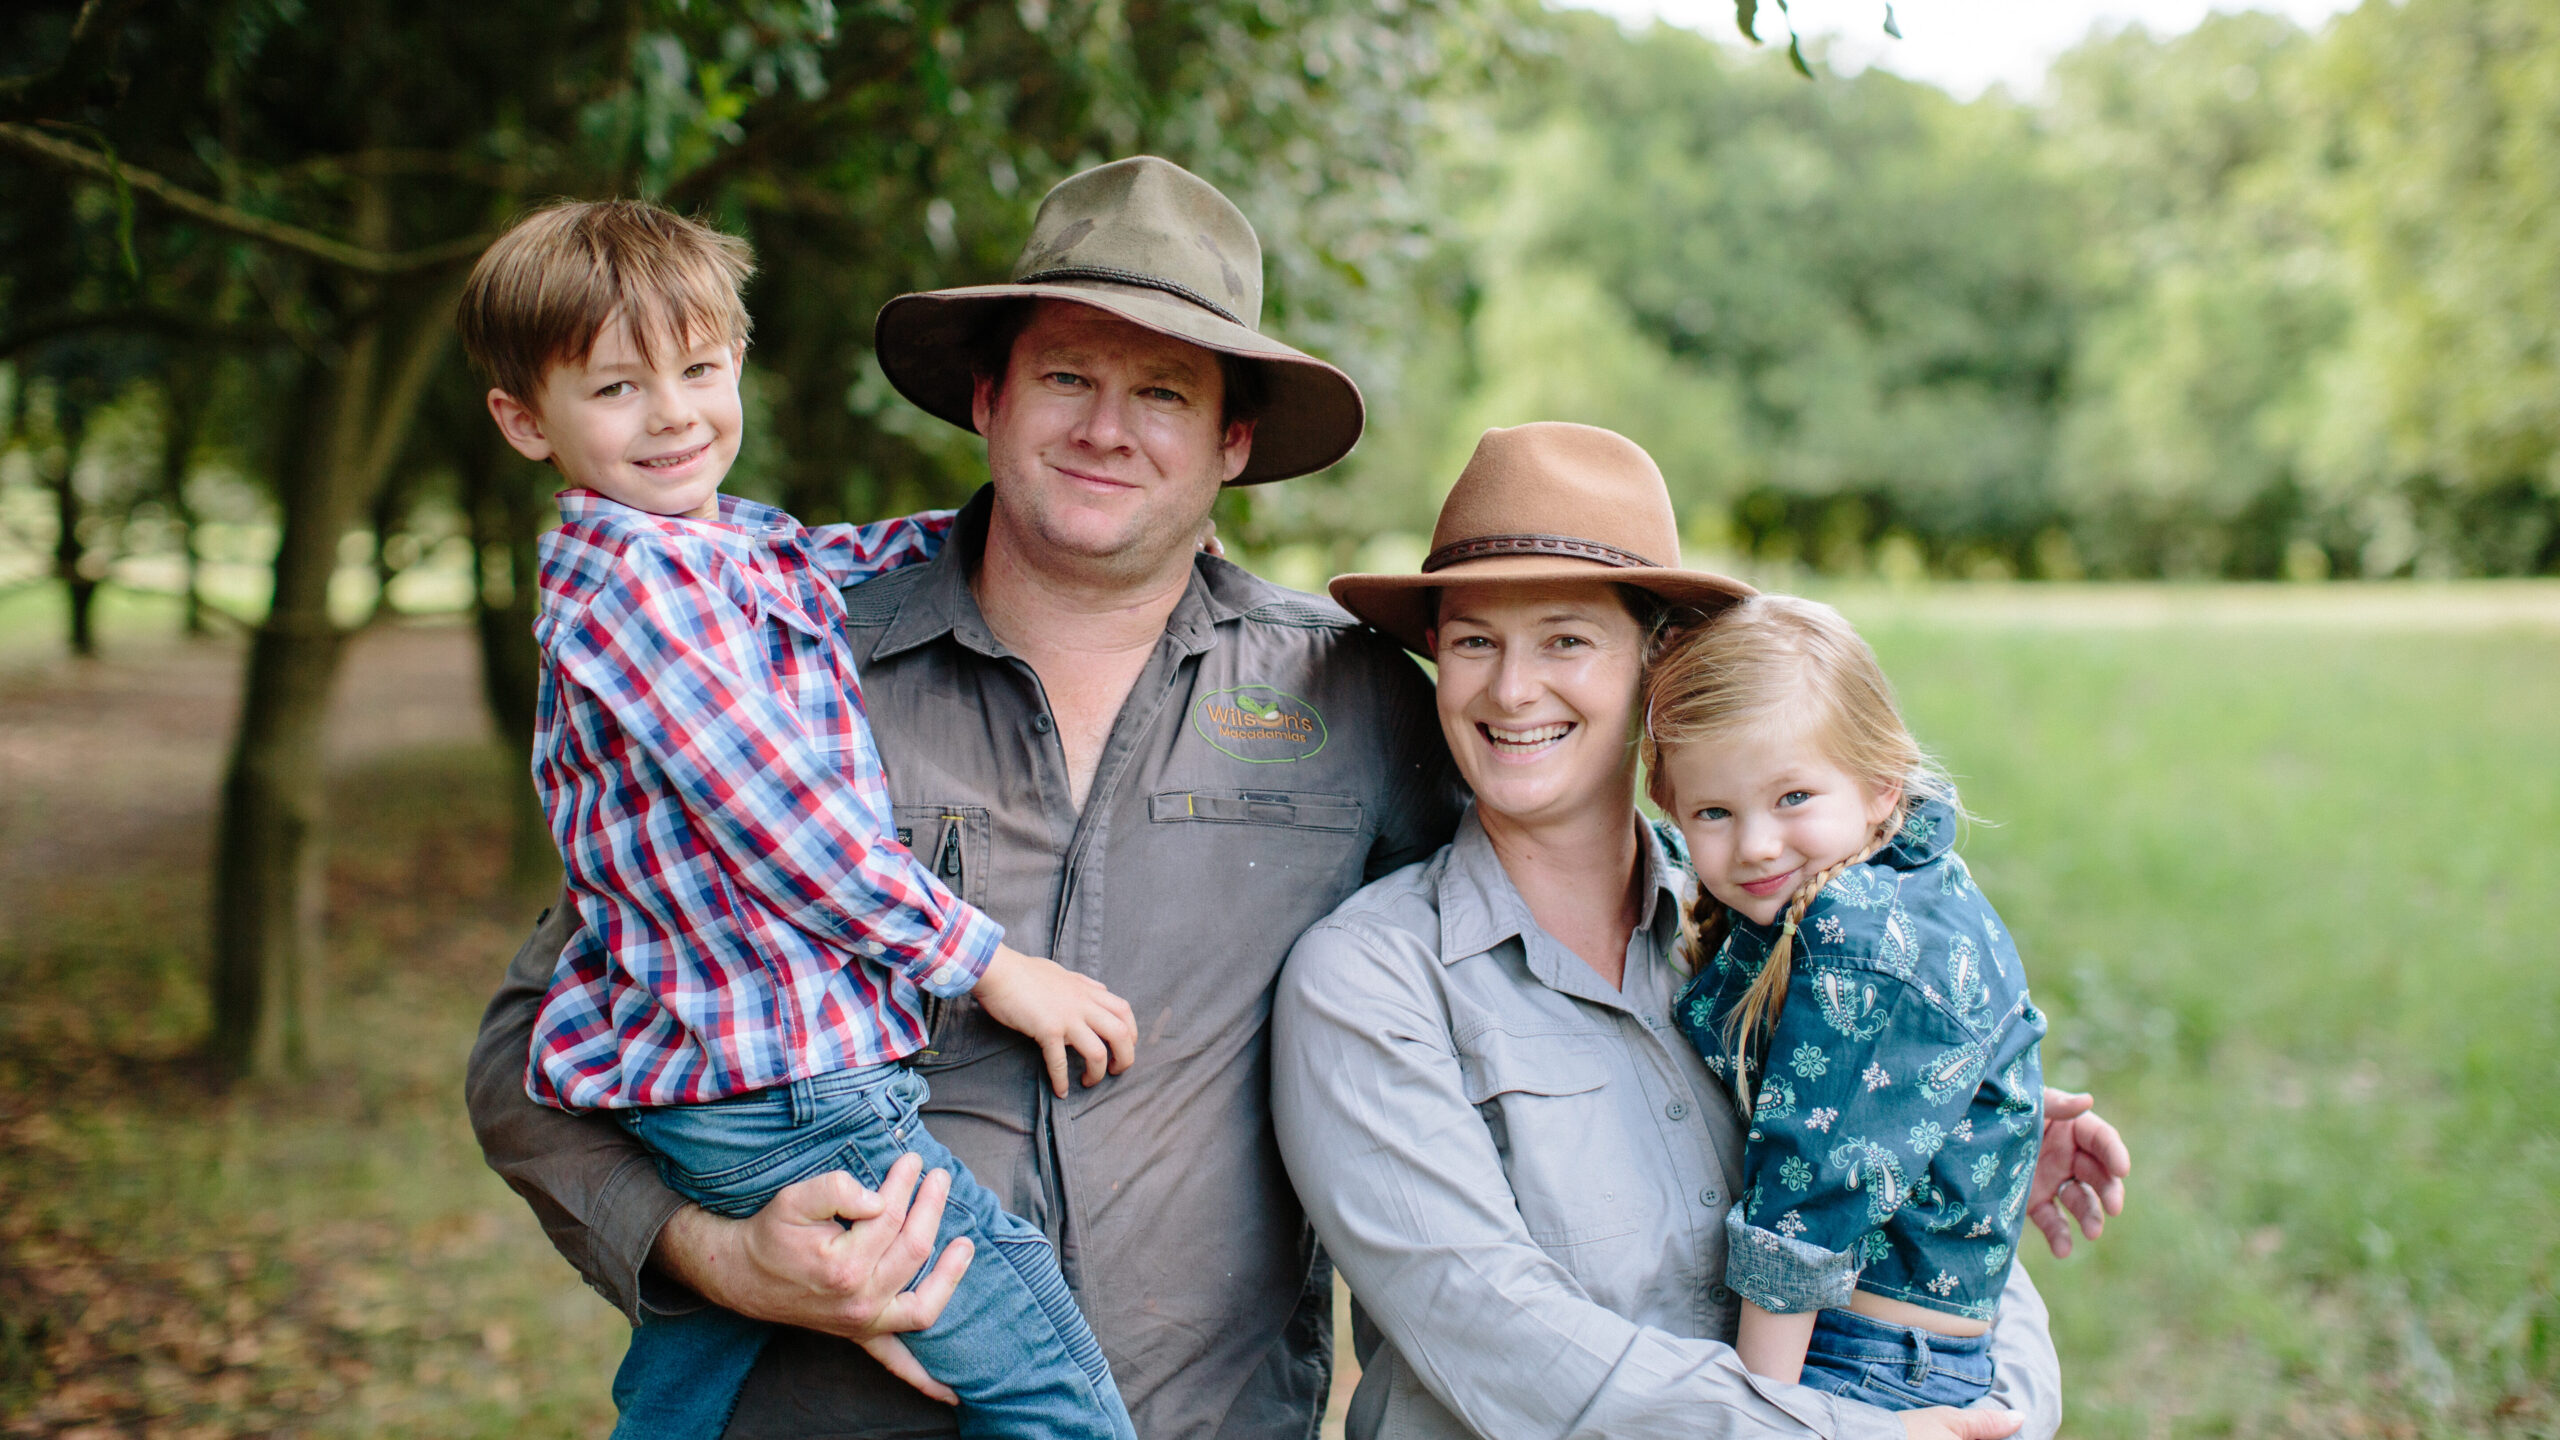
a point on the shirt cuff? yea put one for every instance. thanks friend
(960, 954)
(947, 964)
(630, 1211)
(1785, 1276)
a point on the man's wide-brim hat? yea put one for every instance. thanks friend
(1539, 504)
(1159, 247)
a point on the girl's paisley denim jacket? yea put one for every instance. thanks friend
(1898, 1117)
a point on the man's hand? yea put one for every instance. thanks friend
(1063, 1011)
(2080, 1169)
(795, 1263)
(1941, 1423)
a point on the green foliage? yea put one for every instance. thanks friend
(2249, 302)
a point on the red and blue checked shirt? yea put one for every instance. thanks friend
(701, 749)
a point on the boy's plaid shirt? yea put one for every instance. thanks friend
(700, 747)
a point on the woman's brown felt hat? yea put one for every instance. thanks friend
(1158, 246)
(1537, 504)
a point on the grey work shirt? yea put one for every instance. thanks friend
(1524, 1174)
(1272, 757)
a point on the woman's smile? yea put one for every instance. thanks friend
(1525, 744)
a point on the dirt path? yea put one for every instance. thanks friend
(109, 761)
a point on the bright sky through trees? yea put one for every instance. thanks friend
(1963, 46)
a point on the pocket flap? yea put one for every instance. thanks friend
(1498, 1062)
(765, 598)
(1257, 807)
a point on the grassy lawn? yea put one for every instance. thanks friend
(2286, 883)
(2289, 891)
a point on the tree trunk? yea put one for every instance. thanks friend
(506, 510)
(70, 555)
(182, 419)
(268, 870)
(390, 519)
(268, 891)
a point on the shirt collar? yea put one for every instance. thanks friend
(1480, 907)
(941, 603)
(1928, 832)
(746, 522)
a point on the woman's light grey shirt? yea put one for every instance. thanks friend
(1524, 1174)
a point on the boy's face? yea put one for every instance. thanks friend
(656, 437)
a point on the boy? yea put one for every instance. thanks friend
(754, 939)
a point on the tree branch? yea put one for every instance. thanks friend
(76, 75)
(309, 243)
(31, 333)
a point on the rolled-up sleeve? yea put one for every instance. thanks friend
(1404, 1185)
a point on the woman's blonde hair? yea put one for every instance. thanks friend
(1780, 658)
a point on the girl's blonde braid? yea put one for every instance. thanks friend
(1709, 923)
(1755, 1019)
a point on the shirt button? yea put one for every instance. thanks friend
(1719, 1294)
(1040, 722)
(1708, 1197)
(1677, 1110)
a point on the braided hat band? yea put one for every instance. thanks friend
(1110, 275)
(1483, 547)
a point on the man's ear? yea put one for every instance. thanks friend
(982, 402)
(518, 422)
(1236, 449)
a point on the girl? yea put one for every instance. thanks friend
(1862, 999)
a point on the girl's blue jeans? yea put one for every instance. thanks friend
(1895, 1367)
(1010, 1343)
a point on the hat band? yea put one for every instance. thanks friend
(1131, 277)
(1485, 547)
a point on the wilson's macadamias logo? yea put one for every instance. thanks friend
(1259, 725)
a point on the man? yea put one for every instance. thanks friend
(1146, 761)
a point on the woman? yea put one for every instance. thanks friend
(1517, 1161)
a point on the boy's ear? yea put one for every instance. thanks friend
(518, 422)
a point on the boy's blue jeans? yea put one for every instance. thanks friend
(1011, 1342)
(1895, 1367)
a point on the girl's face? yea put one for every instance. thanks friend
(1765, 810)
(1537, 694)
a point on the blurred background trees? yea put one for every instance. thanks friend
(2249, 303)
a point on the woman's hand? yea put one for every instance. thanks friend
(2080, 1169)
(1941, 1423)
(829, 1255)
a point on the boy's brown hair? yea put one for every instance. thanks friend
(544, 289)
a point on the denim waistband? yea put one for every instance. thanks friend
(1849, 1334)
(801, 1097)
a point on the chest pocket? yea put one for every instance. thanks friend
(1546, 1101)
(956, 843)
(1297, 851)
